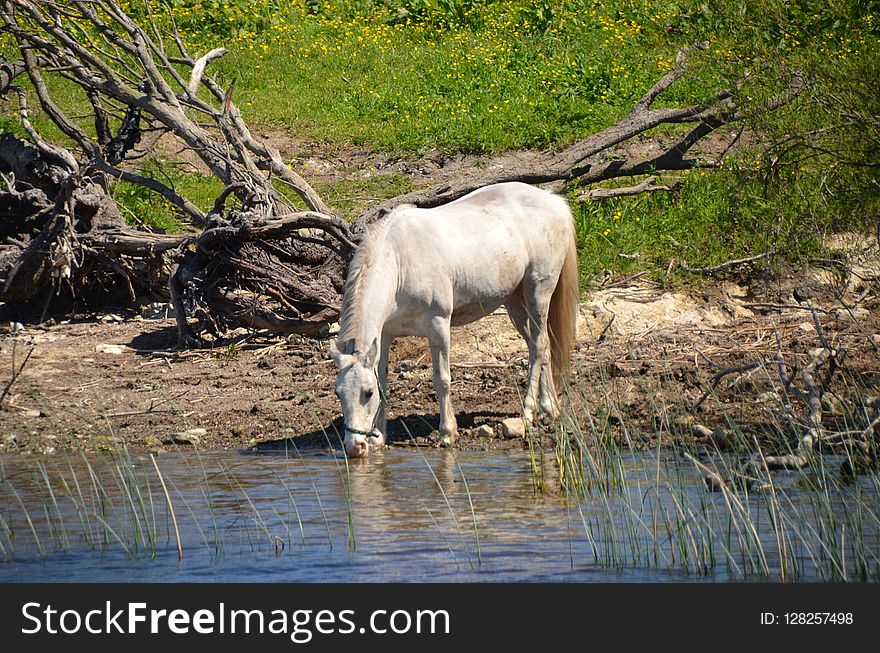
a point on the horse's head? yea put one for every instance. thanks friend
(357, 386)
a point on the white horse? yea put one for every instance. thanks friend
(418, 271)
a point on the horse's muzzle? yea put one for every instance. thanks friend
(357, 447)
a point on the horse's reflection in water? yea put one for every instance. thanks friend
(420, 502)
(406, 494)
(420, 271)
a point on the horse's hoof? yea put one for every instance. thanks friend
(545, 419)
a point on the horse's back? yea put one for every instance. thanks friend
(509, 201)
(491, 221)
(470, 255)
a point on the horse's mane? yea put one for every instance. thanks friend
(351, 312)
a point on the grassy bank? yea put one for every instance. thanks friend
(410, 77)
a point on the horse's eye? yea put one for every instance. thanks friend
(368, 394)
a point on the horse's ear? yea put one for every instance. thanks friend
(335, 354)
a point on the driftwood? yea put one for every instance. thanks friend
(266, 274)
(261, 260)
(9, 70)
(645, 186)
(265, 258)
(801, 401)
(728, 264)
(64, 232)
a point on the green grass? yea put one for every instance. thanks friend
(709, 217)
(482, 76)
(351, 197)
(142, 206)
(488, 84)
(486, 76)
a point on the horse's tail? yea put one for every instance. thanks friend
(562, 320)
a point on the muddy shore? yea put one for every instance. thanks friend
(644, 356)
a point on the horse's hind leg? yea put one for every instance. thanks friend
(519, 315)
(438, 338)
(529, 315)
(548, 399)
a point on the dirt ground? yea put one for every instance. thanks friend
(644, 356)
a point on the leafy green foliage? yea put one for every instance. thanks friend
(709, 217)
(216, 18)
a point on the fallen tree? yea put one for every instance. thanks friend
(260, 261)
(271, 253)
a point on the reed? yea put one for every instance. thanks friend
(695, 508)
(170, 507)
(108, 501)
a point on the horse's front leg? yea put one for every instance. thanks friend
(438, 337)
(382, 372)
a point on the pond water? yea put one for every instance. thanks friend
(414, 515)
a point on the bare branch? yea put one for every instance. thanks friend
(59, 154)
(728, 264)
(666, 81)
(599, 194)
(199, 68)
(9, 70)
(813, 431)
(713, 382)
(155, 185)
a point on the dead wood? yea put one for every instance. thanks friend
(813, 431)
(261, 261)
(727, 264)
(645, 186)
(811, 397)
(9, 70)
(66, 236)
(716, 379)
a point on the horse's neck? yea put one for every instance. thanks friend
(374, 305)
